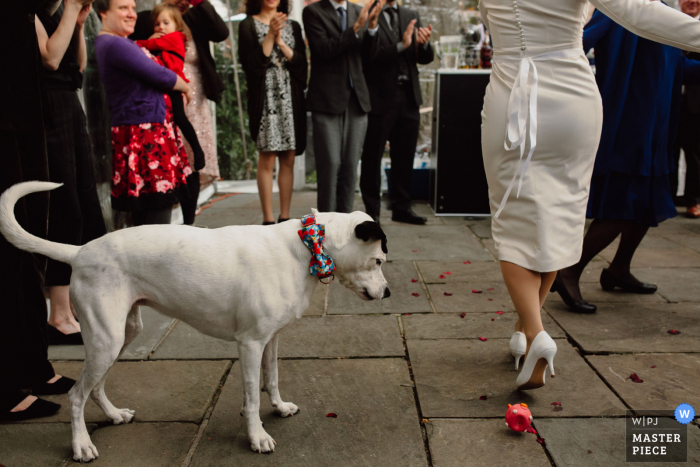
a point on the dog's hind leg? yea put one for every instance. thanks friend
(269, 368)
(134, 326)
(102, 324)
(250, 356)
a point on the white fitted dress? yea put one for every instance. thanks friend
(540, 75)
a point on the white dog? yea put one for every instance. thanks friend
(242, 283)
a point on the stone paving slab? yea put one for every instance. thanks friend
(451, 376)
(464, 300)
(674, 380)
(330, 336)
(482, 229)
(459, 272)
(675, 285)
(599, 442)
(36, 445)
(157, 391)
(621, 328)
(490, 245)
(472, 326)
(489, 443)
(142, 444)
(317, 304)
(688, 241)
(594, 293)
(433, 243)
(155, 325)
(593, 270)
(658, 252)
(399, 276)
(377, 425)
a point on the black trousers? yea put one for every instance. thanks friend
(400, 127)
(688, 138)
(23, 314)
(75, 216)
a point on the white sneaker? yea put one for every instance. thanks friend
(518, 347)
(541, 355)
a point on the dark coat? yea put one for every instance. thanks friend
(691, 98)
(255, 65)
(381, 63)
(335, 55)
(206, 25)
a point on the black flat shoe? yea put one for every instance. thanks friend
(61, 386)
(40, 408)
(56, 337)
(609, 281)
(580, 306)
(269, 223)
(408, 217)
(280, 220)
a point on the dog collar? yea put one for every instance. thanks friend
(312, 234)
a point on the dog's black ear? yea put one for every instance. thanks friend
(370, 229)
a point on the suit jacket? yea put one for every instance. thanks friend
(206, 25)
(335, 56)
(691, 98)
(382, 62)
(255, 65)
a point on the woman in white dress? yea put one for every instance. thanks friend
(541, 126)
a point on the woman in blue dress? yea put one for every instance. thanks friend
(640, 83)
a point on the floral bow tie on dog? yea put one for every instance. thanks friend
(312, 234)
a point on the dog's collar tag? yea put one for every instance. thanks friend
(313, 234)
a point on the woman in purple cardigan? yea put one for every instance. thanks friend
(149, 162)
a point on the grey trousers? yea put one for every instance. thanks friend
(338, 140)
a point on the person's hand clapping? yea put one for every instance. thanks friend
(424, 34)
(362, 17)
(408, 34)
(82, 16)
(374, 14)
(277, 23)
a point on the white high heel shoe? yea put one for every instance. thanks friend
(541, 355)
(518, 347)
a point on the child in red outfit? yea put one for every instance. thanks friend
(169, 42)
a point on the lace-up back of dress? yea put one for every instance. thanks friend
(534, 26)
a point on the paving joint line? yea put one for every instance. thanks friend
(424, 286)
(207, 416)
(167, 333)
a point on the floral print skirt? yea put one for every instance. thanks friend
(149, 165)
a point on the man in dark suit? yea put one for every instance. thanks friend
(392, 77)
(206, 25)
(338, 97)
(688, 136)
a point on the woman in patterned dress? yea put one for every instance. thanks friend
(273, 56)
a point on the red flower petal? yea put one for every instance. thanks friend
(482, 398)
(467, 262)
(331, 415)
(415, 251)
(414, 280)
(415, 294)
(653, 366)
(448, 294)
(492, 319)
(406, 314)
(463, 315)
(541, 441)
(531, 430)
(442, 276)
(476, 291)
(490, 299)
(556, 403)
(483, 339)
(490, 289)
(673, 331)
(448, 273)
(499, 312)
(635, 378)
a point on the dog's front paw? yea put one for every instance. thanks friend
(122, 416)
(286, 409)
(260, 441)
(84, 450)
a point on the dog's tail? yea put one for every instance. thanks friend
(15, 234)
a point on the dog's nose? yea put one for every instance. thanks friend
(387, 293)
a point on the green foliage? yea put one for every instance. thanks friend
(229, 147)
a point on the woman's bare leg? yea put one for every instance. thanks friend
(266, 166)
(60, 316)
(286, 181)
(524, 289)
(547, 280)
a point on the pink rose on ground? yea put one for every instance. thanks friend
(132, 161)
(153, 165)
(116, 178)
(162, 186)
